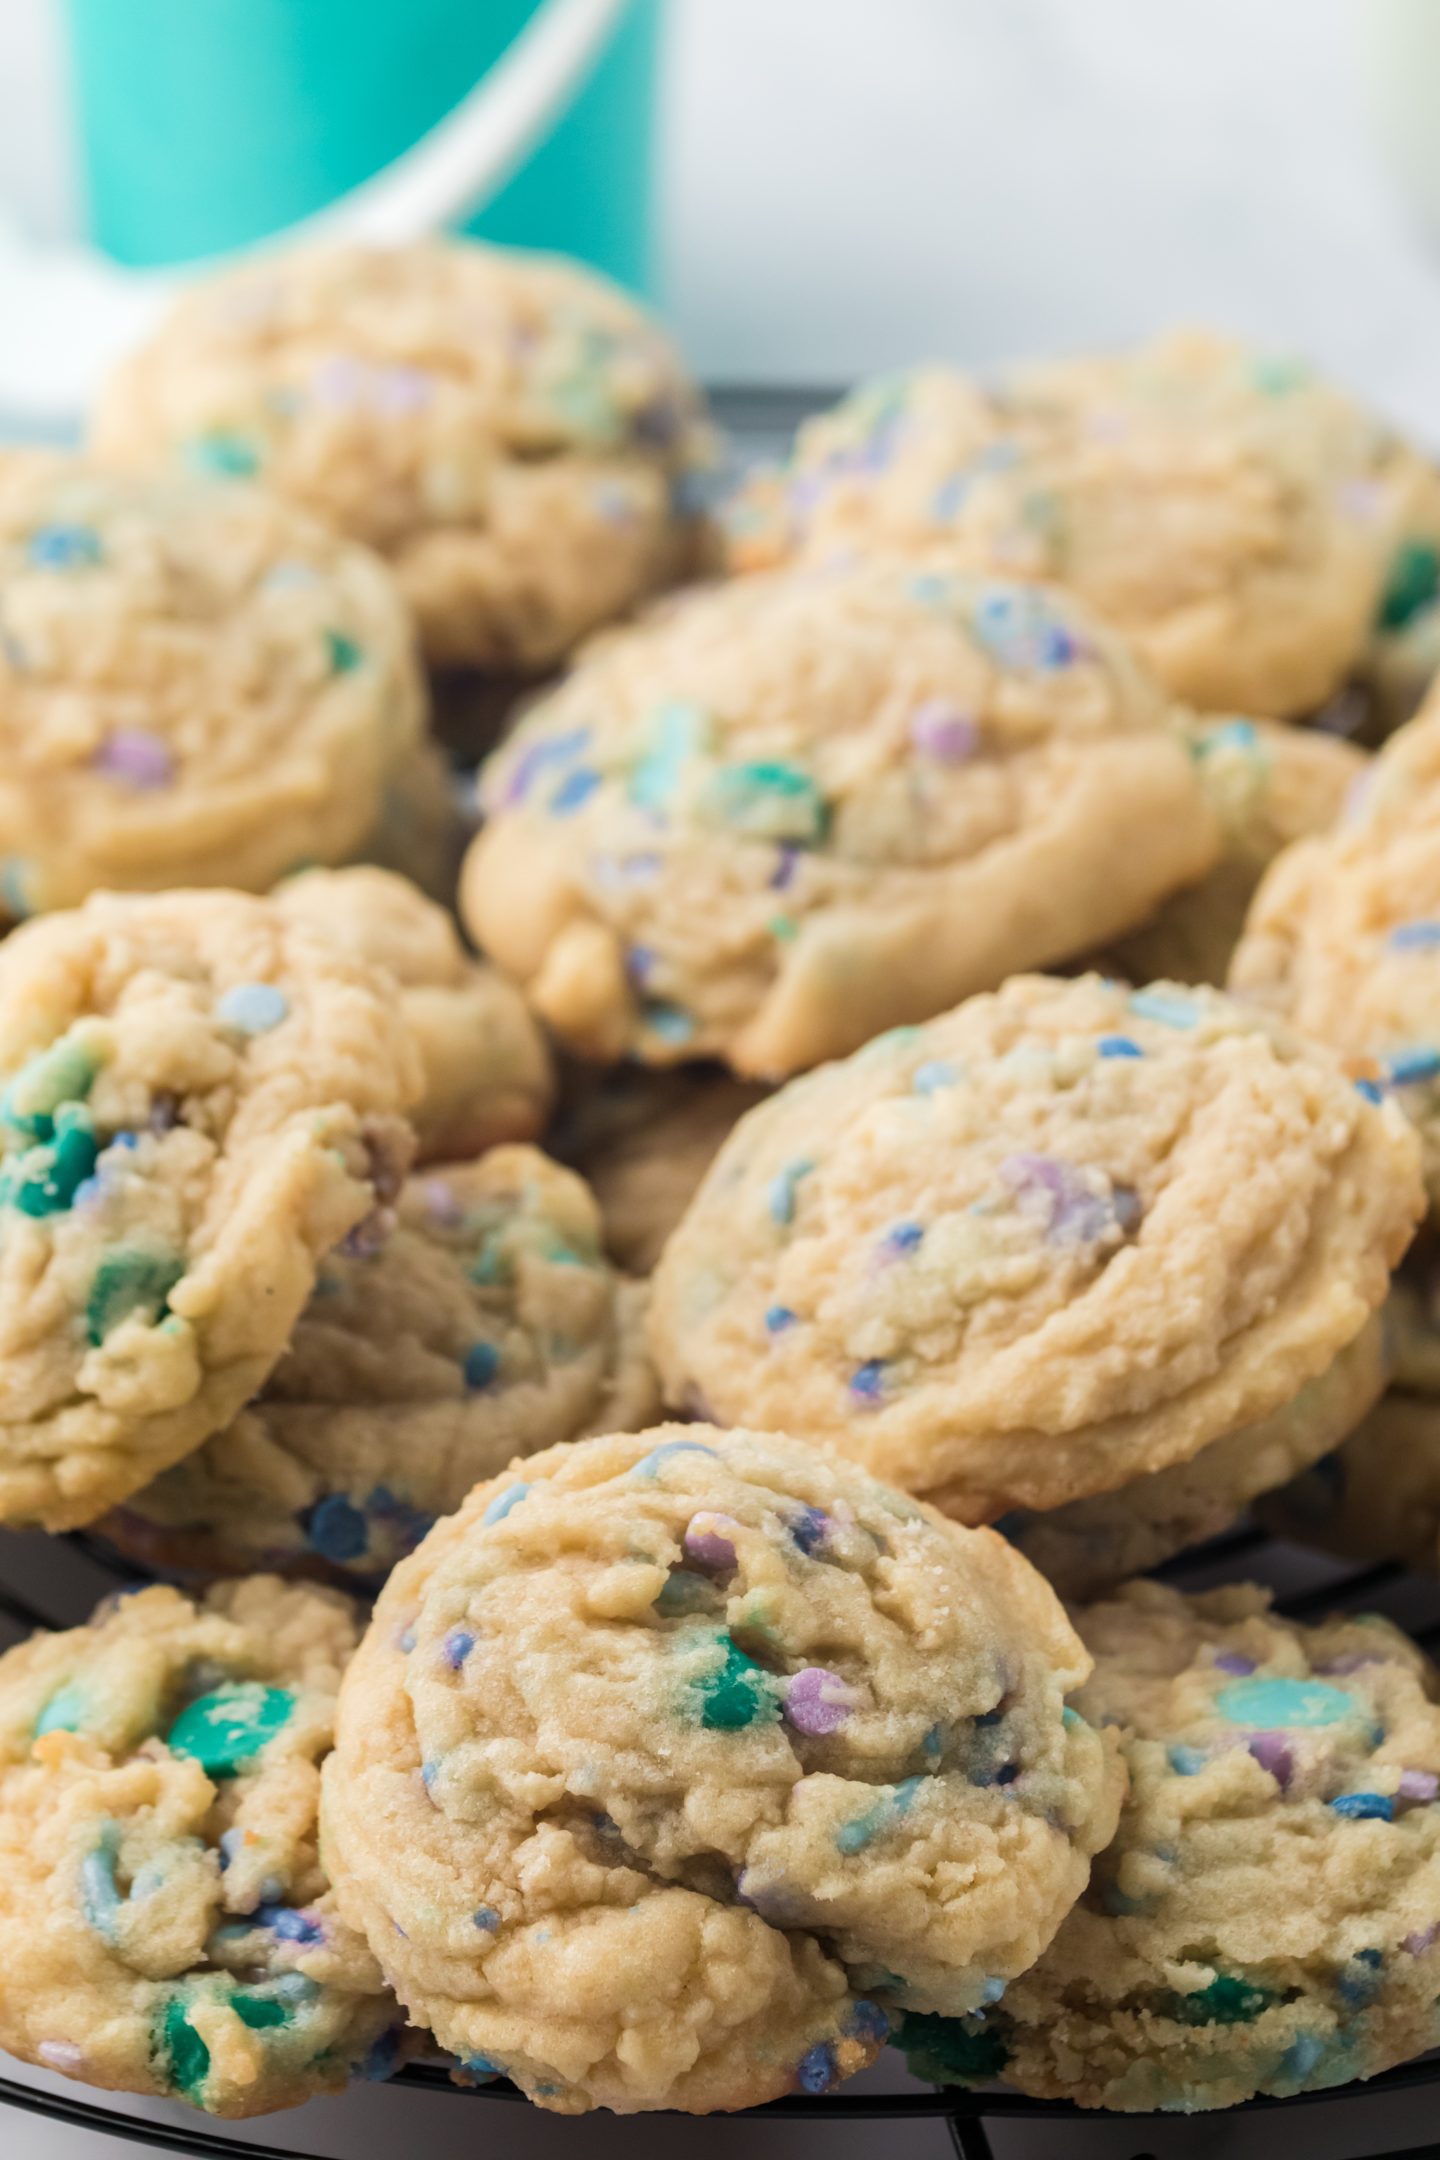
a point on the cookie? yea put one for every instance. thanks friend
(1065, 1238)
(200, 1099)
(786, 813)
(1269, 785)
(1343, 936)
(487, 1070)
(480, 1324)
(166, 1927)
(1266, 1918)
(643, 1140)
(1235, 517)
(671, 1758)
(199, 685)
(508, 430)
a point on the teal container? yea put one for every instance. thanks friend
(207, 124)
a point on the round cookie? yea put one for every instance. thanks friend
(165, 1924)
(200, 1099)
(1269, 785)
(1265, 1920)
(787, 812)
(1055, 1243)
(669, 1752)
(487, 1069)
(1343, 936)
(1235, 517)
(481, 1325)
(643, 1140)
(199, 685)
(508, 430)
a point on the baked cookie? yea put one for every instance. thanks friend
(199, 685)
(1269, 785)
(1058, 1242)
(1343, 936)
(200, 1099)
(787, 812)
(165, 1924)
(479, 1324)
(643, 1140)
(1266, 1918)
(487, 1069)
(1234, 516)
(514, 436)
(669, 1752)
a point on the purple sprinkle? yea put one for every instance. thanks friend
(810, 1529)
(338, 381)
(1417, 1945)
(784, 869)
(897, 1242)
(136, 756)
(817, 1701)
(1232, 1662)
(867, 1384)
(1272, 1752)
(939, 730)
(706, 1541)
(404, 390)
(1057, 1199)
(640, 965)
(1418, 1785)
(457, 1647)
(62, 2055)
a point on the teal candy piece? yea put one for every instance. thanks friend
(650, 1465)
(951, 2051)
(769, 799)
(45, 1179)
(345, 654)
(185, 2054)
(1227, 2001)
(780, 1192)
(501, 1505)
(1176, 1012)
(677, 732)
(226, 1730)
(739, 1693)
(1268, 1704)
(854, 1836)
(224, 455)
(1411, 584)
(1187, 1761)
(62, 1074)
(253, 1008)
(64, 1712)
(129, 1281)
(100, 1900)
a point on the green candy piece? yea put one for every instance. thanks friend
(46, 1179)
(224, 454)
(258, 2011)
(1412, 583)
(64, 1073)
(64, 1712)
(129, 1281)
(738, 1694)
(185, 2053)
(345, 654)
(766, 799)
(950, 2051)
(225, 1731)
(1227, 2001)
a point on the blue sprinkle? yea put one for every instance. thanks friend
(289, 1925)
(640, 964)
(457, 1647)
(651, 1465)
(501, 1505)
(810, 1528)
(1170, 1011)
(1415, 937)
(382, 2060)
(407, 1641)
(429, 1772)
(780, 1192)
(904, 1238)
(1364, 1807)
(780, 1317)
(337, 1529)
(992, 1990)
(819, 2069)
(670, 1022)
(63, 547)
(1301, 2057)
(574, 790)
(932, 1744)
(482, 2066)
(1372, 1094)
(1121, 1046)
(870, 2021)
(488, 1919)
(1187, 1761)
(1408, 1066)
(253, 1008)
(230, 1843)
(867, 1383)
(934, 1073)
(482, 1362)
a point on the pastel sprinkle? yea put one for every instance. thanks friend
(289, 1924)
(1415, 937)
(1405, 1067)
(818, 2070)
(482, 1362)
(778, 1318)
(63, 547)
(574, 791)
(1420, 1942)
(1370, 1090)
(1418, 1785)
(1364, 1807)
(708, 1540)
(337, 1529)
(939, 730)
(1186, 1761)
(770, 799)
(1056, 1197)
(61, 2055)
(1272, 1751)
(488, 1919)
(780, 1192)
(226, 455)
(1169, 1011)
(1269, 1703)
(345, 654)
(652, 1464)
(818, 1702)
(1018, 629)
(902, 1239)
(811, 1529)
(135, 756)
(502, 1504)
(784, 871)
(933, 1074)
(1230, 1661)
(253, 1008)
(1118, 1046)
(867, 1383)
(1302, 2056)
(670, 1022)
(63, 1713)
(457, 1647)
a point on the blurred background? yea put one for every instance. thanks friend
(833, 186)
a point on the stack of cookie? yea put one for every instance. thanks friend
(684, 1764)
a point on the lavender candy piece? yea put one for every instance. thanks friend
(1231, 1661)
(817, 1701)
(135, 755)
(939, 730)
(1055, 1196)
(1272, 1752)
(1418, 1785)
(707, 1541)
